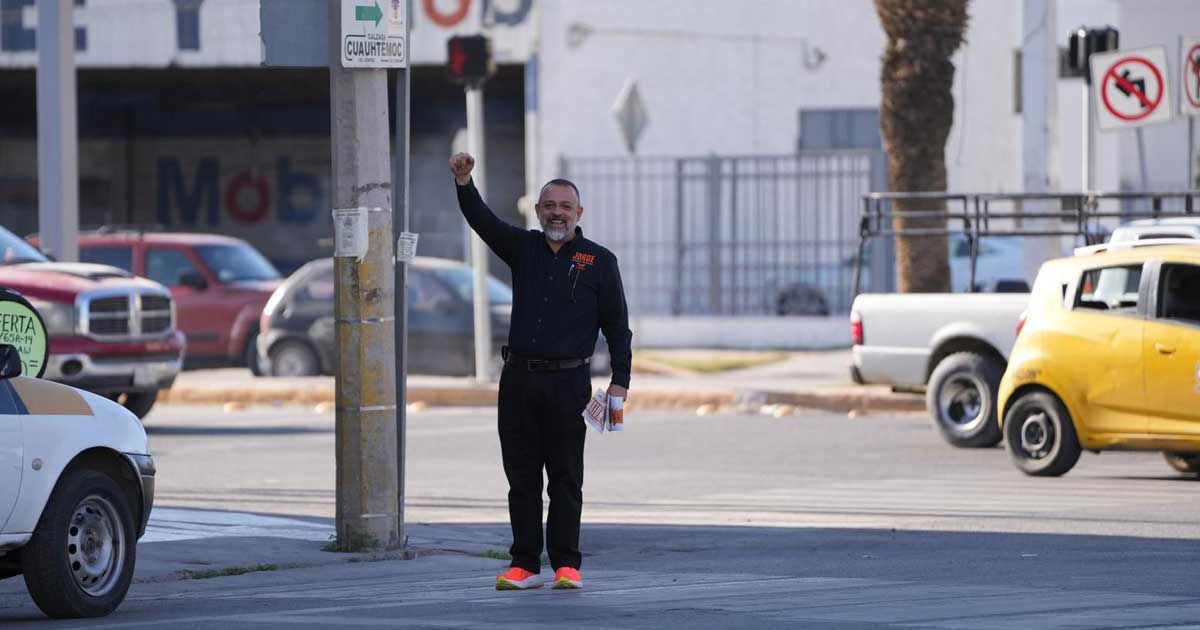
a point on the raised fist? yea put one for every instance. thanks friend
(461, 165)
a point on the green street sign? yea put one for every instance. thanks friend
(22, 327)
(374, 35)
(368, 13)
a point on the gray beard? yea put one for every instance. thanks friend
(556, 235)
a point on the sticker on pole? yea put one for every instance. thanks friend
(1189, 92)
(350, 237)
(1130, 88)
(406, 247)
(374, 34)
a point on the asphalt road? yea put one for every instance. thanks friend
(809, 469)
(725, 521)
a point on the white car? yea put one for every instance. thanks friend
(76, 489)
(1169, 227)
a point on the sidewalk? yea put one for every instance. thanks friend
(814, 380)
(185, 544)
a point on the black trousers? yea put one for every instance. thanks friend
(540, 427)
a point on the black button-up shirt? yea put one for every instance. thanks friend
(561, 300)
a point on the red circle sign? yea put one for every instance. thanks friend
(448, 19)
(1192, 69)
(1131, 89)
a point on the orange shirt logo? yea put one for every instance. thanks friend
(583, 260)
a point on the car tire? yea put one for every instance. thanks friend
(1183, 462)
(961, 398)
(80, 560)
(1040, 435)
(140, 403)
(801, 299)
(250, 355)
(293, 358)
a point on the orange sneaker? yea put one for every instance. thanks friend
(517, 579)
(566, 577)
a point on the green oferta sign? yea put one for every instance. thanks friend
(22, 328)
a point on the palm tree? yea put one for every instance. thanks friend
(915, 118)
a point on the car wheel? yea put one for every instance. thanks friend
(1183, 462)
(801, 299)
(961, 397)
(140, 403)
(80, 560)
(1040, 435)
(293, 358)
(250, 355)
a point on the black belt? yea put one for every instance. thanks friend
(542, 365)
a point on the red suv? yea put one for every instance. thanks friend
(219, 283)
(110, 333)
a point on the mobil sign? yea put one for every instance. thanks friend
(207, 193)
(272, 193)
(509, 23)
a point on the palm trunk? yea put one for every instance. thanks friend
(916, 113)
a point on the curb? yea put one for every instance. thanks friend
(840, 399)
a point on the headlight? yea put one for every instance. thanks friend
(59, 317)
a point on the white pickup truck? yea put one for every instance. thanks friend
(956, 346)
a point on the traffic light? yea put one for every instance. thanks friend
(1085, 42)
(469, 59)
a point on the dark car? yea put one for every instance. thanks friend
(297, 328)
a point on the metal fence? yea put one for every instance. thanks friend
(719, 235)
(1083, 218)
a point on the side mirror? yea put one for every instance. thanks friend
(193, 279)
(10, 362)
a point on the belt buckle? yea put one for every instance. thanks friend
(535, 365)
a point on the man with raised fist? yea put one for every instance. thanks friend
(565, 290)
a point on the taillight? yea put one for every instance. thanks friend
(856, 328)
(1021, 322)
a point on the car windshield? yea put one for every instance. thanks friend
(14, 249)
(232, 263)
(460, 278)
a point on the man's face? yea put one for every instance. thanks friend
(558, 211)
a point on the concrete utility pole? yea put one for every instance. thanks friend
(58, 131)
(367, 480)
(479, 252)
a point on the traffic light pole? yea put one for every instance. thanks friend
(1087, 137)
(479, 258)
(368, 515)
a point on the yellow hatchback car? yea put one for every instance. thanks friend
(1107, 357)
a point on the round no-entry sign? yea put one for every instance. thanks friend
(1189, 91)
(1130, 88)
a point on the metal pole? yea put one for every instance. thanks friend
(367, 511)
(1191, 158)
(400, 176)
(533, 154)
(1087, 137)
(58, 133)
(680, 247)
(479, 260)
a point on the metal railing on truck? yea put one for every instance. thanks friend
(1084, 215)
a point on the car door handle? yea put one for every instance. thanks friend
(1164, 348)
